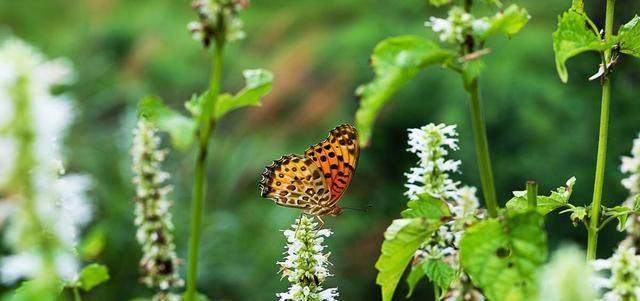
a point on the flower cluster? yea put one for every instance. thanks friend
(432, 144)
(631, 165)
(159, 262)
(567, 277)
(46, 208)
(457, 26)
(218, 19)
(305, 265)
(623, 281)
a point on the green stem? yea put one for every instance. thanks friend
(592, 243)
(197, 202)
(436, 292)
(482, 149)
(532, 194)
(76, 294)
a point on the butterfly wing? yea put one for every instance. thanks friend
(295, 181)
(337, 157)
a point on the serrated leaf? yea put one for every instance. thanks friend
(395, 61)
(629, 37)
(440, 273)
(501, 256)
(92, 275)
(182, 129)
(573, 37)
(509, 21)
(416, 274)
(401, 240)
(546, 204)
(427, 207)
(258, 84)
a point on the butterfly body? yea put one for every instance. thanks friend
(316, 181)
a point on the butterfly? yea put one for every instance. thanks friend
(316, 181)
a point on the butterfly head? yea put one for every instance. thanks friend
(335, 211)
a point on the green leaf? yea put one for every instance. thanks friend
(428, 207)
(182, 129)
(501, 256)
(38, 289)
(92, 275)
(440, 273)
(401, 240)
(629, 35)
(471, 71)
(546, 204)
(439, 2)
(416, 274)
(573, 37)
(258, 84)
(578, 214)
(509, 21)
(94, 242)
(621, 213)
(395, 61)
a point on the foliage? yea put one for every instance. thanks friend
(502, 256)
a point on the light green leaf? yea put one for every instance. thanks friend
(401, 240)
(509, 21)
(37, 289)
(258, 84)
(578, 214)
(395, 61)
(92, 275)
(501, 256)
(471, 71)
(574, 37)
(621, 213)
(439, 2)
(629, 35)
(94, 242)
(182, 129)
(416, 274)
(428, 207)
(546, 204)
(440, 273)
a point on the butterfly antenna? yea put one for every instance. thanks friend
(365, 209)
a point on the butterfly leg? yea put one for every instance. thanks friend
(321, 225)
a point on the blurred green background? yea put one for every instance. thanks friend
(538, 127)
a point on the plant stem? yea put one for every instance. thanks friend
(482, 149)
(594, 216)
(76, 294)
(532, 194)
(197, 201)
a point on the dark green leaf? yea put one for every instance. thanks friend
(501, 256)
(416, 274)
(428, 207)
(258, 84)
(471, 71)
(92, 275)
(546, 204)
(440, 273)
(395, 61)
(182, 129)
(629, 35)
(401, 240)
(509, 21)
(573, 37)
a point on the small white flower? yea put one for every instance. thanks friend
(567, 277)
(620, 274)
(152, 212)
(305, 265)
(457, 25)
